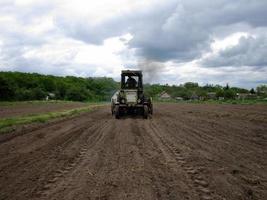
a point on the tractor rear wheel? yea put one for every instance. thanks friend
(145, 111)
(117, 112)
(112, 110)
(151, 109)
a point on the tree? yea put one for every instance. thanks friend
(6, 89)
(47, 83)
(202, 93)
(227, 87)
(262, 90)
(219, 93)
(229, 94)
(77, 94)
(61, 89)
(38, 94)
(190, 85)
(23, 94)
(252, 91)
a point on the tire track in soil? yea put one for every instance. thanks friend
(196, 138)
(35, 162)
(176, 159)
(59, 174)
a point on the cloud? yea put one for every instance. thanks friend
(173, 30)
(160, 31)
(179, 39)
(250, 51)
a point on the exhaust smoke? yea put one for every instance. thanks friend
(151, 70)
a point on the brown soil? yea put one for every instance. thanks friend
(22, 109)
(185, 151)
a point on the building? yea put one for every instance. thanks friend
(242, 96)
(194, 97)
(211, 95)
(179, 98)
(50, 96)
(164, 96)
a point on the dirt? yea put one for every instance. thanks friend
(22, 109)
(186, 151)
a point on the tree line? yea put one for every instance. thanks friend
(18, 86)
(189, 89)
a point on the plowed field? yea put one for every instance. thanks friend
(185, 151)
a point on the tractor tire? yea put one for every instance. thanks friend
(117, 112)
(145, 112)
(112, 110)
(151, 109)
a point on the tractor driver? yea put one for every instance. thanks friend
(131, 82)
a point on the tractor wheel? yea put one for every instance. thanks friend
(112, 110)
(117, 112)
(151, 109)
(145, 111)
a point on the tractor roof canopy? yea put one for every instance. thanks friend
(136, 75)
(131, 72)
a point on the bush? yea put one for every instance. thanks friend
(6, 89)
(229, 94)
(77, 94)
(38, 94)
(24, 94)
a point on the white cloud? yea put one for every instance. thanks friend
(98, 11)
(229, 41)
(173, 41)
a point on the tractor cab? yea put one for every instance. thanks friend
(131, 80)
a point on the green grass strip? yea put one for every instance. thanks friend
(43, 102)
(41, 118)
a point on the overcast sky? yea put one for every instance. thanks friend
(172, 41)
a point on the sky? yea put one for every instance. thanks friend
(172, 41)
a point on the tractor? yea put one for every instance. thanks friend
(130, 99)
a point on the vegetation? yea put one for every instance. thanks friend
(189, 89)
(16, 86)
(6, 123)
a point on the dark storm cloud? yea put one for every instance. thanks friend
(175, 30)
(189, 29)
(250, 51)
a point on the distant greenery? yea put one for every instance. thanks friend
(189, 89)
(6, 123)
(17, 86)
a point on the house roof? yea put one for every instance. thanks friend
(164, 94)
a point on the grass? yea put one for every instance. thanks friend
(7, 123)
(13, 103)
(41, 102)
